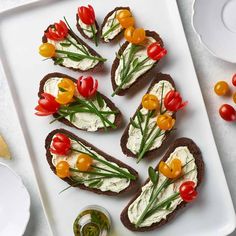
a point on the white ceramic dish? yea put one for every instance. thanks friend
(21, 30)
(14, 203)
(215, 23)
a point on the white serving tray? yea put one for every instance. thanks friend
(21, 30)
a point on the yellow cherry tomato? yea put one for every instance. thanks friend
(84, 162)
(165, 122)
(150, 102)
(125, 18)
(66, 91)
(221, 88)
(171, 171)
(135, 36)
(234, 97)
(47, 50)
(63, 169)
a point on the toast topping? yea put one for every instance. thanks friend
(168, 186)
(72, 159)
(79, 103)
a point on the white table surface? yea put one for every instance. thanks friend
(209, 70)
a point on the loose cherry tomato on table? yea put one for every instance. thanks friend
(227, 112)
(66, 91)
(150, 102)
(47, 105)
(173, 101)
(84, 162)
(155, 51)
(63, 169)
(171, 171)
(187, 191)
(61, 144)
(125, 18)
(87, 86)
(221, 88)
(135, 36)
(234, 80)
(58, 31)
(86, 15)
(47, 50)
(234, 97)
(165, 122)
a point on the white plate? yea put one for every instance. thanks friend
(20, 35)
(14, 203)
(215, 23)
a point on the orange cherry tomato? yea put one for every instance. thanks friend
(150, 102)
(125, 18)
(135, 36)
(234, 97)
(165, 122)
(221, 88)
(171, 171)
(66, 91)
(84, 162)
(47, 50)
(63, 169)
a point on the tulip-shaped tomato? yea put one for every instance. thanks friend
(86, 15)
(84, 162)
(63, 169)
(135, 36)
(187, 191)
(173, 101)
(165, 122)
(58, 31)
(125, 18)
(155, 51)
(66, 91)
(171, 171)
(87, 86)
(47, 105)
(60, 144)
(150, 102)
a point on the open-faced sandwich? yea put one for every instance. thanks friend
(87, 24)
(153, 120)
(170, 186)
(82, 165)
(115, 22)
(135, 60)
(66, 49)
(77, 103)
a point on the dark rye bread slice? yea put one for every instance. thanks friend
(105, 20)
(138, 84)
(132, 185)
(118, 118)
(124, 139)
(97, 68)
(194, 149)
(82, 31)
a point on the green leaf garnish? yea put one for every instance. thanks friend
(134, 124)
(65, 44)
(100, 100)
(58, 60)
(152, 175)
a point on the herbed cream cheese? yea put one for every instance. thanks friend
(87, 28)
(111, 21)
(135, 135)
(86, 121)
(140, 55)
(113, 184)
(137, 207)
(83, 64)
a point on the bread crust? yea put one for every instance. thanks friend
(194, 149)
(97, 68)
(132, 185)
(138, 84)
(124, 139)
(105, 20)
(118, 117)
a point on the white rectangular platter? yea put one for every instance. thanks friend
(21, 30)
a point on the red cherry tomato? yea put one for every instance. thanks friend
(87, 86)
(86, 15)
(60, 144)
(234, 80)
(58, 31)
(227, 112)
(187, 191)
(155, 51)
